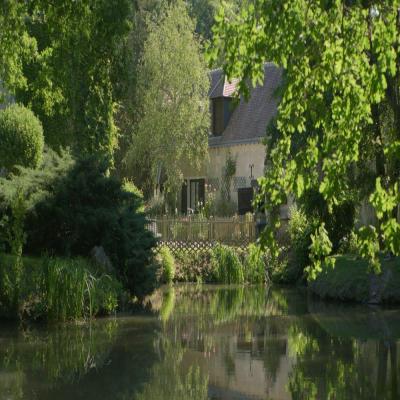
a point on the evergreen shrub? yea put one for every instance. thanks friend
(75, 206)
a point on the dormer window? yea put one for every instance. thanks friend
(221, 113)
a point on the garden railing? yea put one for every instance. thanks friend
(200, 232)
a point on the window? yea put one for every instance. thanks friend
(221, 112)
(218, 116)
(245, 200)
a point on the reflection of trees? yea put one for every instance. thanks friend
(216, 306)
(168, 303)
(387, 355)
(330, 352)
(64, 354)
(225, 319)
(197, 313)
(345, 353)
(170, 381)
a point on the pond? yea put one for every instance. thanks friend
(210, 342)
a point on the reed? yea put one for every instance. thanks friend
(67, 286)
(57, 289)
(72, 291)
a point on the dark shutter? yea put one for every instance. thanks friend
(202, 196)
(245, 199)
(184, 198)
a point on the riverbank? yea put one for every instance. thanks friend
(351, 280)
(55, 289)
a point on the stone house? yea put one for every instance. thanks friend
(237, 130)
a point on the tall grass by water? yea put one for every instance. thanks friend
(73, 291)
(59, 290)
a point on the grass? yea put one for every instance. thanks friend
(57, 289)
(350, 280)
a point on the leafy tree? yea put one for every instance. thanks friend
(66, 63)
(16, 45)
(342, 64)
(21, 137)
(172, 88)
(203, 13)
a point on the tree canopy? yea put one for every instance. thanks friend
(341, 62)
(172, 88)
(64, 62)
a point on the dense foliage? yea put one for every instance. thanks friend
(255, 265)
(167, 262)
(73, 207)
(65, 62)
(340, 96)
(21, 137)
(339, 221)
(350, 281)
(56, 289)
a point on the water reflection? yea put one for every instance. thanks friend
(169, 380)
(33, 358)
(210, 342)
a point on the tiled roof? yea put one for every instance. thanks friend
(250, 118)
(217, 83)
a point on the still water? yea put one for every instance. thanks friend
(210, 342)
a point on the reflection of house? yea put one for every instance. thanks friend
(236, 133)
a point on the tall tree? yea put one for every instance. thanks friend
(16, 45)
(342, 61)
(73, 80)
(203, 12)
(173, 119)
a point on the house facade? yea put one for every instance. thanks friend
(236, 153)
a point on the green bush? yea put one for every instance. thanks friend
(193, 267)
(21, 137)
(290, 267)
(167, 262)
(254, 265)
(75, 206)
(351, 280)
(300, 230)
(226, 265)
